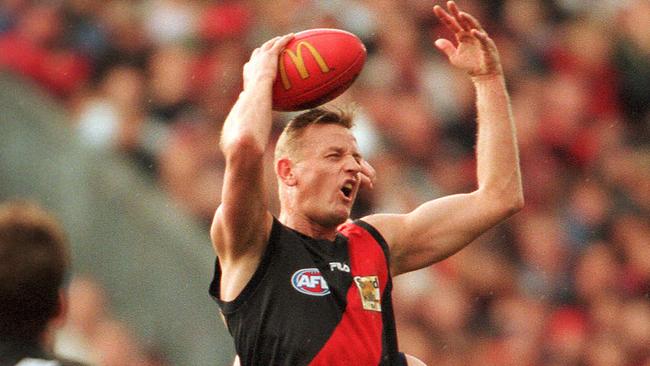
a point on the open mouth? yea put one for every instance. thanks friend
(347, 189)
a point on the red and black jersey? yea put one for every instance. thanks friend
(316, 302)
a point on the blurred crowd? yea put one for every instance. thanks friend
(564, 282)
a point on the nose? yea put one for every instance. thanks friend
(352, 165)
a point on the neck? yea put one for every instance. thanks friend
(307, 226)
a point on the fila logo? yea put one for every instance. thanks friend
(339, 266)
(309, 281)
(299, 61)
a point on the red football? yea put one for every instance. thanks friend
(315, 67)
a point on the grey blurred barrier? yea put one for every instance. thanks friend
(154, 262)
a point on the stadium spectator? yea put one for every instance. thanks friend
(34, 265)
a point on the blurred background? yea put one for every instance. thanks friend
(110, 113)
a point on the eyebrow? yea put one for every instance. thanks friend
(340, 149)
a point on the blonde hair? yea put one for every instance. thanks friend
(288, 142)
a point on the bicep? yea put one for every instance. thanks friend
(240, 221)
(435, 230)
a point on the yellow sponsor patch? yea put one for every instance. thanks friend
(369, 290)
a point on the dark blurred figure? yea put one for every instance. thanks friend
(633, 65)
(34, 260)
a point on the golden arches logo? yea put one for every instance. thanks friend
(299, 61)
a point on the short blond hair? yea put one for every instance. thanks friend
(287, 144)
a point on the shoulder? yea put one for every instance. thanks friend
(365, 232)
(386, 226)
(360, 226)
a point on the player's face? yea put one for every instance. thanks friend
(327, 173)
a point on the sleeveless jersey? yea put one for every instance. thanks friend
(316, 302)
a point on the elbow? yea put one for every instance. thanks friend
(517, 196)
(506, 203)
(513, 200)
(517, 203)
(508, 206)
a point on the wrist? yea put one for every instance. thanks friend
(488, 78)
(262, 80)
(260, 85)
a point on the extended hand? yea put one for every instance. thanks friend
(263, 64)
(476, 52)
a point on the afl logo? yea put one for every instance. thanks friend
(309, 281)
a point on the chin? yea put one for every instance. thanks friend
(336, 219)
(340, 219)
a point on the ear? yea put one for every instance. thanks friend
(59, 319)
(285, 170)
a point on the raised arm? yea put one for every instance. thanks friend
(241, 224)
(440, 228)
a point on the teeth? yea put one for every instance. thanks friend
(348, 185)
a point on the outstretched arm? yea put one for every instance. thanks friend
(440, 228)
(241, 224)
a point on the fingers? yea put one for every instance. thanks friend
(470, 21)
(491, 55)
(457, 21)
(445, 46)
(368, 175)
(283, 41)
(456, 14)
(368, 170)
(277, 43)
(366, 182)
(464, 25)
(273, 46)
(268, 44)
(447, 19)
(486, 42)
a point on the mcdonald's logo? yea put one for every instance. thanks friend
(299, 61)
